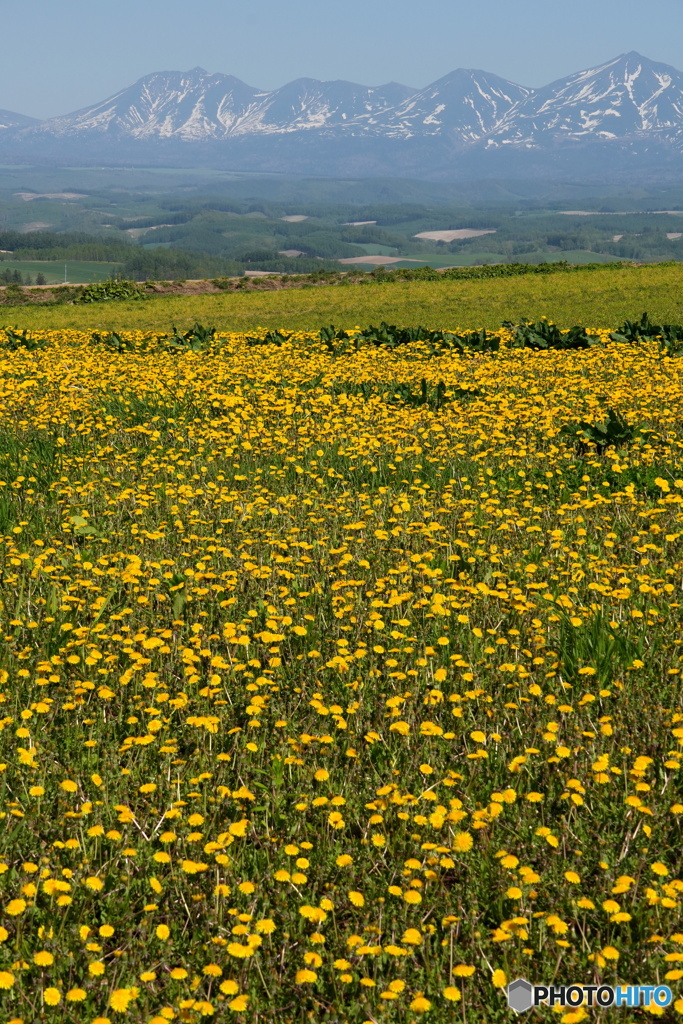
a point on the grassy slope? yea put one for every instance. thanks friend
(597, 299)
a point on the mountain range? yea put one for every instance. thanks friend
(625, 113)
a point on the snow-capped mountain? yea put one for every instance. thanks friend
(198, 106)
(624, 98)
(308, 104)
(186, 105)
(467, 123)
(466, 104)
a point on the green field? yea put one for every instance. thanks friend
(55, 271)
(600, 299)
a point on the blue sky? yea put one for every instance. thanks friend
(69, 54)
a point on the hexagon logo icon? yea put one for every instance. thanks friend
(520, 993)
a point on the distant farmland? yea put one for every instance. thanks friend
(77, 271)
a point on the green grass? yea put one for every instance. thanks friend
(598, 299)
(77, 271)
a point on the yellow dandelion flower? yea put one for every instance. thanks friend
(52, 996)
(462, 842)
(239, 1004)
(239, 828)
(240, 951)
(402, 728)
(120, 999)
(305, 977)
(452, 994)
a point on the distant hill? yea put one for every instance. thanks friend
(620, 119)
(8, 119)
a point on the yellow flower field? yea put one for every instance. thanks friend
(319, 705)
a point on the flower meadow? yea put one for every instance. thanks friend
(318, 703)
